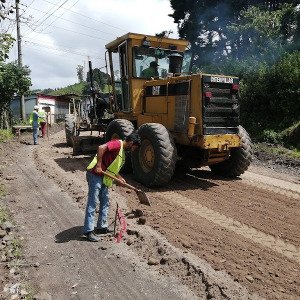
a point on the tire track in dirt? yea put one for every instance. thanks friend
(259, 237)
(275, 185)
(46, 212)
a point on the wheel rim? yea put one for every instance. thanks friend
(146, 156)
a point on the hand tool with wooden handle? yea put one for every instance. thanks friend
(141, 195)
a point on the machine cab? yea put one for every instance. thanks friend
(135, 59)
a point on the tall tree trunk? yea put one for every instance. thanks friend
(1, 119)
(6, 123)
(4, 119)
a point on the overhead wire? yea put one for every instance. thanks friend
(76, 32)
(57, 17)
(62, 49)
(44, 14)
(53, 52)
(76, 23)
(65, 50)
(27, 6)
(80, 14)
(49, 15)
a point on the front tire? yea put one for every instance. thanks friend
(119, 129)
(154, 162)
(239, 160)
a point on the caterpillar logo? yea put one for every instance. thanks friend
(155, 90)
(221, 79)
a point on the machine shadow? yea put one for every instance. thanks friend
(75, 163)
(184, 179)
(60, 145)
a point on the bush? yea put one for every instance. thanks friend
(291, 136)
(5, 134)
(270, 96)
(270, 136)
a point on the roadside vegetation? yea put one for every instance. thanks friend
(2, 194)
(11, 255)
(5, 135)
(277, 150)
(260, 45)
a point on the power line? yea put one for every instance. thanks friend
(54, 52)
(77, 13)
(76, 23)
(26, 8)
(36, 22)
(94, 37)
(56, 9)
(59, 16)
(10, 26)
(66, 50)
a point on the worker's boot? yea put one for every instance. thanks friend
(92, 237)
(104, 230)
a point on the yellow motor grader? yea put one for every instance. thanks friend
(181, 117)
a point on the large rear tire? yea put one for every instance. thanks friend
(120, 129)
(154, 162)
(239, 160)
(69, 128)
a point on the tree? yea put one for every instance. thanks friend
(13, 80)
(6, 42)
(259, 42)
(5, 10)
(206, 24)
(265, 35)
(101, 81)
(80, 73)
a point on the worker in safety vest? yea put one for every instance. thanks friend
(42, 121)
(151, 71)
(110, 158)
(34, 122)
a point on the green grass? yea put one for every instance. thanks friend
(16, 247)
(3, 215)
(2, 190)
(30, 290)
(277, 150)
(5, 134)
(76, 88)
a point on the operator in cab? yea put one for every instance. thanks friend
(151, 71)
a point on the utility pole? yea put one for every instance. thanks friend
(22, 100)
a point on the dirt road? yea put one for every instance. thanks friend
(205, 237)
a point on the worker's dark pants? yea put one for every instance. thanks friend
(43, 128)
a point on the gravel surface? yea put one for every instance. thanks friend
(204, 237)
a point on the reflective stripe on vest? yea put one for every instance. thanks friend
(114, 168)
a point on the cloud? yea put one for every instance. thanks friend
(53, 51)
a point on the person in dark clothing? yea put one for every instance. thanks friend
(151, 71)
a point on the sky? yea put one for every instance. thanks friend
(59, 35)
